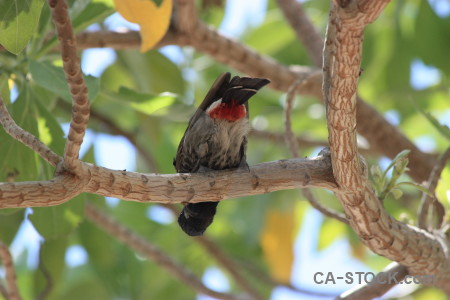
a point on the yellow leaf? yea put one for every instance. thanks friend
(154, 20)
(277, 241)
(330, 231)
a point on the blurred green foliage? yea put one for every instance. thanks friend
(151, 98)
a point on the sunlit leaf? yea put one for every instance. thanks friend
(48, 125)
(18, 21)
(146, 103)
(153, 19)
(330, 231)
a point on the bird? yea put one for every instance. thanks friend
(215, 139)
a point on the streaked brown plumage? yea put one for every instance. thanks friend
(215, 139)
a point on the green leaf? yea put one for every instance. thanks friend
(96, 11)
(10, 223)
(398, 157)
(158, 2)
(416, 186)
(48, 124)
(441, 128)
(396, 193)
(152, 72)
(53, 78)
(56, 221)
(52, 261)
(18, 162)
(18, 21)
(146, 103)
(330, 231)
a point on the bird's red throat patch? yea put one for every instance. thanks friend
(231, 111)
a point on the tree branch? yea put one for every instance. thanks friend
(306, 32)
(172, 188)
(185, 16)
(381, 284)
(11, 281)
(295, 152)
(77, 86)
(120, 40)
(419, 251)
(25, 137)
(151, 252)
(427, 200)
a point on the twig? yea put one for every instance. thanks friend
(427, 200)
(291, 141)
(120, 40)
(302, 141)
(77, 86)
(264, 278)
(280, 137)
(48, 277)
(25, 137)
(11, 282)
(323, 209)
(151, 252)
(306, 32)
(381, 283)
(230, 265)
